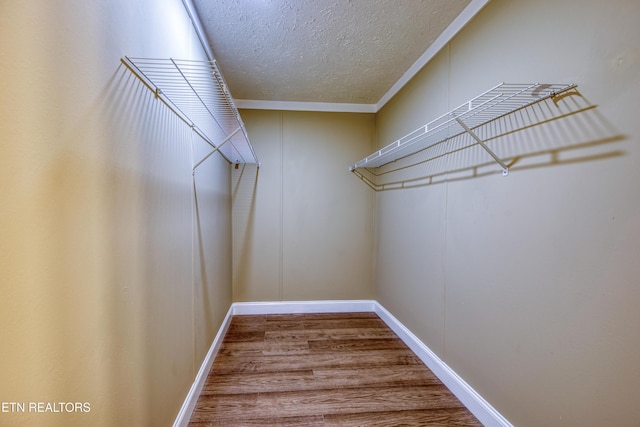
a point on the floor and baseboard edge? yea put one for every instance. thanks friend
(182, 420)
(478, 406)
(485, 413)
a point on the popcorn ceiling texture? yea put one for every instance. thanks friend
(320, 50)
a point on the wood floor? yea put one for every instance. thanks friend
(342, 369)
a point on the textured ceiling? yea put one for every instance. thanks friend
(336, 51)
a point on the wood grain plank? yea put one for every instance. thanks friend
(326, 334)
(264, 382)
(228, 405)
(380, 376)
(244, 336)
(349, 401)
(247, 323)
(455, 417)
(305, 421)
(337, 315)
(270, 363)
(285, 317)
(344, 323)
(336, 345)
(259, 348)
(277, 325)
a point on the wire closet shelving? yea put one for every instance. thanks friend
(497, 102)
(196, 91)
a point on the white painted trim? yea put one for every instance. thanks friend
(335, 107)
(298, 307)
(184, 415)
(479, 407)
(443, 39)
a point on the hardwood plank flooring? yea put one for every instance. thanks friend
(335, 369)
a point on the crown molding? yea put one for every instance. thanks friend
(445, 37)
(339, 107)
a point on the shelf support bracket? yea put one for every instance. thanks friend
(227, 139)
(505, 168)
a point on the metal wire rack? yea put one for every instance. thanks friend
(197, 92)
(498, 101)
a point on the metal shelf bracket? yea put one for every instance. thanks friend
(218, 147)
(505, 168)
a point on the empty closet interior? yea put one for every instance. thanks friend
(486, 204)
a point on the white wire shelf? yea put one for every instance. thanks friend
(498, 101)
(197, 92)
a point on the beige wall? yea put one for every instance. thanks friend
(527, 285)
(303, 224)
(114, 280)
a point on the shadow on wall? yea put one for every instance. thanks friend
(127, 176)
(205, 298)
(245, 184)
(559, 130)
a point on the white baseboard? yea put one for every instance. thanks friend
(182, 420)
(478, 406)
(299, 307)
